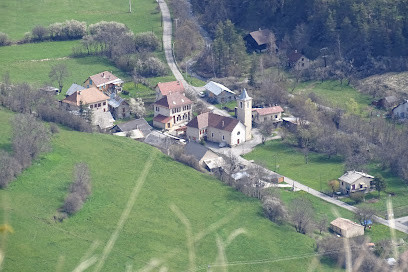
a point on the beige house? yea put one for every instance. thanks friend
(219, 93)
(90, 98)
(297, 61)
(272, 114)
(166, 88)
(105, 82)
(172, 109)
(346, 228)
(216, 128)
(354, 181)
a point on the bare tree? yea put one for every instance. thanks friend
(39, 33)
(274, 209)
(322, 224)
(73, 203)
(302, 214)
(58, 73)
(9, 169)
(82, 181)
(266, 130)
(364, 215)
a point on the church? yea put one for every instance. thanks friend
(212, 127)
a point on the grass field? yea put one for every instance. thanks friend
(288, 161)
(152, 230)
(16, 18)
(334, 93)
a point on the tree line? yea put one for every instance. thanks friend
(362, 31)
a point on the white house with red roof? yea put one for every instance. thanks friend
(105, 82)
(172, 109)
(271, 114)
(166, 88)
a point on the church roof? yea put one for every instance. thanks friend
(244, 95)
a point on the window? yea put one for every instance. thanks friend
(240, 105)
(157, 109)
(91, 106)
(99, 104)
(239, 132)
(90, 81)
(212, 135)
(223, 137)
(123, 109)
(361, 186)
(104, 103)
(276, 116)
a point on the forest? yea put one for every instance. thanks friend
(367, 33)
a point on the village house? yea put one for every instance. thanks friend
(354, 181)
(401, 111)
(218, 93)
(103, 119)
(118, 106)
(205, 157)
(172, 109)
(260, 40)
(166, 88)
(346, 228)
(224, 129)
(105, 82)
(297, 61)
(90, 98)
(135, 129)
(74, 88)
(269, 114)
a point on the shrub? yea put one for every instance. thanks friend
(146, 41)
(4, 39)
(274, 209)
(54, 128)
(39, 33)
(357, 197)
(9, 169)
(151, 67)
(73, 203)
(68, 30)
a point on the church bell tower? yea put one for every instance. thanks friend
(244, 112)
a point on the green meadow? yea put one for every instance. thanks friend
(177, 217)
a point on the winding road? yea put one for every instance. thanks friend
(247, 147)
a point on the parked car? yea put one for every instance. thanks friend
(201, 94)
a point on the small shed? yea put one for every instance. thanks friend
(259, 40)
(346, 228)
(219, 93)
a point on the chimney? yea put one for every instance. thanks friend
(295, 50)
(103, 75)
(222, 124)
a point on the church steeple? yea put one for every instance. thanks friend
(244, 112)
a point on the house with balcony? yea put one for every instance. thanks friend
(105, 82)
(166, 88)
(172, 109)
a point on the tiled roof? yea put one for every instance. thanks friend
(86, 96)
(216, 88)
(344, 224)
(173, 100)
(261, 36)
(105, 78)
(352, 176)
(74, 88)
(209, 119)
(166, 88)
(162, 119)
(269, 110)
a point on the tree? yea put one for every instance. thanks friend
(322, 224)
(137, 107)
(334, 185)
(266, 130)
(274, 209)
(9, 169)
(58, 73)
(364, 215)
(301, 214)
(82, 181)
(39, 33)
(380, 184)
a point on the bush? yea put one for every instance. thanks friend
(39, 33)
(274, 209)
(73, 203)
(9, 169)
(151, 67)
(4, 39)
(68, 30)
(357, 197)
(146, 41)
(54, 128)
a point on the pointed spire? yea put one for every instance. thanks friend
(244, 95)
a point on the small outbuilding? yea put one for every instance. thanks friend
(204, 156)
(218, 93)
(260, 40)
(346, 227)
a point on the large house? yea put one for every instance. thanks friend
(354, 181)
(260, 40)
(90, 98)
(105, 82)
(401, 111)
(223, 129)
(166, 88)
(269, 114)
(219, 93)
(172, 109)
(297, 61)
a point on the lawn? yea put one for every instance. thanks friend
(17, 18)
(152, 233)
(289, 161)
(336, 94)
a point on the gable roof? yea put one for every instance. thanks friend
(135, 124)
(173, 100)
(105, 78)
(294, 56)
(261, 36)
(209, 119)
(115, 100)
(217, 88)
(269, 110)
(86, 96)
(74, 88)
(166, 88)
(103, 119)
(345, 224)
(352, 176)
(197, 150)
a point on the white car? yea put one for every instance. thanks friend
(222, 144)
(201, 94)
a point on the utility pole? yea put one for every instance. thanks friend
(130, 6)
